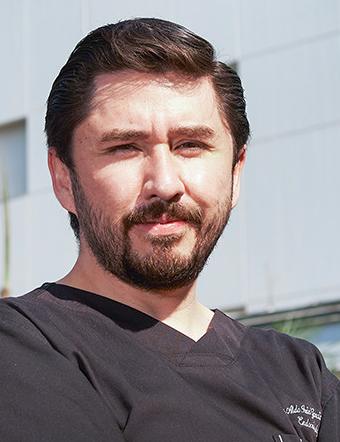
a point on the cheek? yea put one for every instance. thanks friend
(113, 190)
(209, 184)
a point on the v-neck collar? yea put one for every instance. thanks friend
(219, 339)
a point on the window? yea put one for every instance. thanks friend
(13, 158)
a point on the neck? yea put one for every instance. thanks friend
(178, 308)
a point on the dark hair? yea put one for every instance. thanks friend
(145, 45)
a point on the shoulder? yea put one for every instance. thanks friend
(262, 338)
(281, 345)
(17, 320)
(31, 320)
(13, 310)
(37, 308)
(39, 378)
(299, 360)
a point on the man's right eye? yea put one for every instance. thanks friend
(123, 149)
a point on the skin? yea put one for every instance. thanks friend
(120, 170)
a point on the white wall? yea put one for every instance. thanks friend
(282, 245)
(290, 65)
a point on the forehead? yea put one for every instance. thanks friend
(133, 99)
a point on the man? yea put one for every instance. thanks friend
(147, 133)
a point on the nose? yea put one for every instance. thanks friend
(162, 176)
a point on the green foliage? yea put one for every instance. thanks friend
(300, 328)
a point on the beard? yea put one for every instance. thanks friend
(163, 269)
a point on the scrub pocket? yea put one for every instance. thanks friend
(287, 438)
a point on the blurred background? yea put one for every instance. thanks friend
(278, 261)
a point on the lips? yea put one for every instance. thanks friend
(164, 219)
(162, 226)
(162, 213)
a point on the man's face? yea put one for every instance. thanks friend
(153, 177)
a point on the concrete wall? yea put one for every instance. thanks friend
(282, 245)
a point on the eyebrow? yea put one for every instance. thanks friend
(204, 132)
(125, 135)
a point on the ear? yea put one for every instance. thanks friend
(61, 180)
(237, 175)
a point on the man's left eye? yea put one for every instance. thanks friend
(191, 146)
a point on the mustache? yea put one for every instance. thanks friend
(145, 214)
